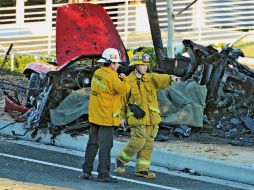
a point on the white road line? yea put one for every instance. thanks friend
(77, 169)
(132, 164)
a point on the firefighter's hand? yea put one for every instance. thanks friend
(123, 124)
(175, 79)
(121, 75)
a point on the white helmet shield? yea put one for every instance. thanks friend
(110, 55)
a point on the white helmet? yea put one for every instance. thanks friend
(110, 55)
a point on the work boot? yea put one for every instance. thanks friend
(87, 176)
(146, 174)
(119, 167)
(108, 179)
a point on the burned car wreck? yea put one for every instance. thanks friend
(79, 44)
(216, 90)
(230, 88)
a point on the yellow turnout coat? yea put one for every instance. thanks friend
(105, 97)
(144, 94)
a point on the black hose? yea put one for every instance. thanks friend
(14, 134)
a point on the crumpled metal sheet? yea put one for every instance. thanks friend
(249, 122)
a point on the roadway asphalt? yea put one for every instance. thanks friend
(48, 165)
(166, 159)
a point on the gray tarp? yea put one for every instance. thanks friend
(183, 103)
(71, 108)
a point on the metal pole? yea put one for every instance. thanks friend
(199, 19)
(49, 22)
(126, 24)
(20, 12)
(170, 45)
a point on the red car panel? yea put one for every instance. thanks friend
(84, 29)
(12, 106)
(40, 67)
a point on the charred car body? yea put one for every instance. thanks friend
(230, 85)
(80, 42)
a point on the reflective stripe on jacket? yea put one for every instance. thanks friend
(143, 92)
(105, 97)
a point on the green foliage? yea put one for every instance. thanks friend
(149, 50)
(243, 44)
(46, 58)
(246, 48)
(218, 46)
(21, 62)
(7, 64)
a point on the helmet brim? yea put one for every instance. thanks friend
(112, 60)
(139, 63)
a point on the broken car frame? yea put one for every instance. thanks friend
(49, 84)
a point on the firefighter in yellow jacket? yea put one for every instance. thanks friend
(104, 114)
(141, 112)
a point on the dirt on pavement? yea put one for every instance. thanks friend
(7, 184)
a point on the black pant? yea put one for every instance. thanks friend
(100, 137)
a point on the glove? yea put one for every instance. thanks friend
(139, 113)
(125, 69)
